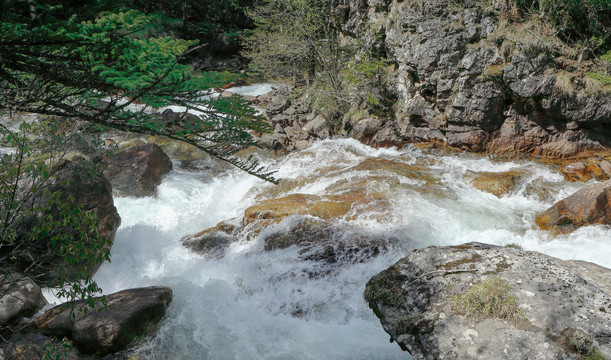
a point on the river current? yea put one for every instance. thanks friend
(258, 304)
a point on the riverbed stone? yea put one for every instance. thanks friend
(137, 171)
(212, 241)
(34, 346)
(328, 207)
(129, 314)
(498, 183)
(20, 297)
(588, 206)
(553, 302)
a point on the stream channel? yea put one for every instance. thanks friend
(305, 301)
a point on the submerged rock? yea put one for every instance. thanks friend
(327, 242)
(137, 171)
(498, 183)
(476, 301)
(588, 206)
(129, 314)
(324, 207)
(212, 241)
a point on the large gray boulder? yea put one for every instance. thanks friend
(478, 301)
(129, 314)
(19, 297)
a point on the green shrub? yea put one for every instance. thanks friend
(576, 21)
(600, 77)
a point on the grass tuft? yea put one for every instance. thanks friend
(564, 84)
(491, 298)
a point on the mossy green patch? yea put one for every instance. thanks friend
(384, 289)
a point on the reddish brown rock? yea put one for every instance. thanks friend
(590, 205)
(327, 207)
(577, 171)
(137, 171)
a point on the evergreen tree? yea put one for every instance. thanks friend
(93, 59)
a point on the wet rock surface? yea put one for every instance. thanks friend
(34, 346)
(498, 184)
(129, 314)
(79, 184)
(137, 171)
(559, 304)
(212, 241)
(588, 206)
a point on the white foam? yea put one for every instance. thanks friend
(257, 304)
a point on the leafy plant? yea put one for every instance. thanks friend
(46, 234)
(575, 20)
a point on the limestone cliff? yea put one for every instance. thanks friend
(468, 74)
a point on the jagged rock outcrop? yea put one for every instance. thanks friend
(129, 314)
(466, 76)
(588, 206)
(477, 301)
(477, 83)
(295, 126)
(137, 171)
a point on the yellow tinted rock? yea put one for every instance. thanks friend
(497, 183)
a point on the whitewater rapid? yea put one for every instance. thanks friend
(257, 304)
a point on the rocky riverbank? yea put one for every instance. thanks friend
(94, 326)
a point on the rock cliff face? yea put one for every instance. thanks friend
(466, 76)
(478, 301)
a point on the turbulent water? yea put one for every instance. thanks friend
(258, 304)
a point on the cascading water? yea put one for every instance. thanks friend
(252, 303)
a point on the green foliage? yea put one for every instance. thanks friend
(57, 351)
(45, 234)
(300, 40)
(382, 289)
(603, 78)
(202, 20)
(491, 298)
(582, 344)
(292, 38)
(96, 67)
(576, 21)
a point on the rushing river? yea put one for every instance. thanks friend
(258, 304)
